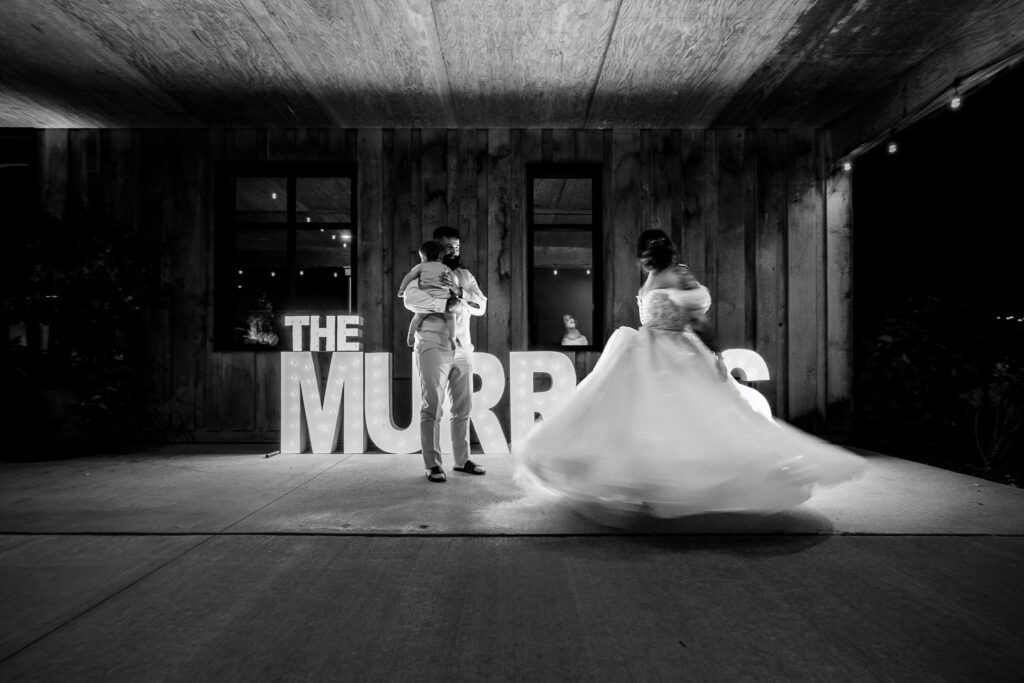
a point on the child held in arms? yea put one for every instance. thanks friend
(437, 280)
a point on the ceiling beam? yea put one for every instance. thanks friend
(600, 66)
(425, 20)
(991, 41)
(286, 49)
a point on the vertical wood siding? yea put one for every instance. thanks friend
(755, 213)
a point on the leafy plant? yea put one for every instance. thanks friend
(935, 384)
(76, 294)
(998, 422)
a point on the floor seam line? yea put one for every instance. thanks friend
(609, 534)
(283, 495)
(103, 600)
(208, 537)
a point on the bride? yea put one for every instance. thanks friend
(654, 429)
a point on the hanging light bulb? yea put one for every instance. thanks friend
(955, 103)
(890, 145)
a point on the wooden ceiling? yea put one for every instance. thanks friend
(487, 63)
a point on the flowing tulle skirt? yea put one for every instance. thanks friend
(654, 429)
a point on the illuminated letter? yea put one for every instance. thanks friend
(754, 369)
(481, 416)
(524, 402)
(492, 388)
(379, 422)
(300, 387)
(296, 322)
(316, 333)
(349, 327)
(748, 362)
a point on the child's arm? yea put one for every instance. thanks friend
(409, 277)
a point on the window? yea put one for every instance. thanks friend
(564, 256)
(285, 239)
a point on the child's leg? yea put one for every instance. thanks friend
(414, 325)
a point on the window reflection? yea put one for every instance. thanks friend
(261, 200)
(324, 260)
(563, 215)
(287, 244)
(323, 200)
(562, 285)
(563, 201)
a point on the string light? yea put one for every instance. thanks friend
(273, 274)
(556, 271)
(273, 195)
(308, 219)
(956, 100)
(588, 271)
(847, 166)
(239, 271)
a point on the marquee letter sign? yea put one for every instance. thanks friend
(358, 390)
(524, 402)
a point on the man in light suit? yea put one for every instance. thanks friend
(441, 366)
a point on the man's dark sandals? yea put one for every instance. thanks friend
(470, 468)
(436, 474)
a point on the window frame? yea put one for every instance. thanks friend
(226, 228)
(594, 173)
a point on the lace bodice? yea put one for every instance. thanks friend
(672, 309)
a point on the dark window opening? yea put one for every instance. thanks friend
(564, 256)
(285, 239)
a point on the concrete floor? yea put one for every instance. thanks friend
(215, 563)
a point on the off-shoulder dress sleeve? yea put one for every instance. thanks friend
(697, 299)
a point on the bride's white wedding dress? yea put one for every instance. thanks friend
(654, 429)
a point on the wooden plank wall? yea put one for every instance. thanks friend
(755, 213)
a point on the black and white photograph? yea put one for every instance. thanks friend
(518, 340)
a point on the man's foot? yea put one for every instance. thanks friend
(470, 468)
(436, 474)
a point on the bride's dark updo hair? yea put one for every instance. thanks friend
(655, 250)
